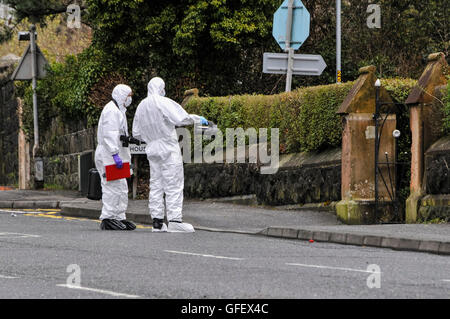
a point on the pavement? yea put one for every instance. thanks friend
(225, 216)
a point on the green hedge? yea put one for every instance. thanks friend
(306, 117)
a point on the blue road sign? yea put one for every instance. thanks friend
(300, 24)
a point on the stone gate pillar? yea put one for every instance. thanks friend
(423, 132)
(358, 153)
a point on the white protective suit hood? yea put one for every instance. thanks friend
(120, 95)
(156, 86)
(155, 120)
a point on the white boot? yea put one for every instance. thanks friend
(179, 227)
(163, 229)
(159, 226)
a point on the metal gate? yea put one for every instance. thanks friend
(390, 183)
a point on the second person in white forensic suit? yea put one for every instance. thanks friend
(110, 151)
(154, 122)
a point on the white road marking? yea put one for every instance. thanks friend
(446, 280)
(202, 255)
(8, 277)
(101, 291)
(18, 212)
(17, 235)
(333, 268)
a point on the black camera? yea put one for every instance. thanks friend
(127, 140)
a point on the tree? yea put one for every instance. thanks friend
(212, 45)
(217, 45)
(36, 11)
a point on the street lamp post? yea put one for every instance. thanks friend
(33, 52)
(338, 42)
(38, 162)
(377, 140)
(34, 87)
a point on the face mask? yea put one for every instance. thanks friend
(128, 101)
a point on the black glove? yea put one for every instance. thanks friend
(135, 141)
(127, 140)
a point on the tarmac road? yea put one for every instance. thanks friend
(42, 255)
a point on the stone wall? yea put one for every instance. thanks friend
(434, 208)
(207, 180)
(301, 179)
(61, 171)
(436, 204)
(61, 152)
(9, 128)
(219, 180)
(437, 164)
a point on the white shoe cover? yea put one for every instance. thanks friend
(180, 228)
(162, 230)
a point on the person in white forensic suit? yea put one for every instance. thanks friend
(110, 151)
(154, 122)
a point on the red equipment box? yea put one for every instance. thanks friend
(113, 173)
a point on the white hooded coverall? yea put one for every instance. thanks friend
(112, 124)
(154, 122)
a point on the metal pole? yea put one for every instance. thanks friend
(377, 108)
(34, 86)
(391, 193)
(395, 169)
(396, 182)
(288, 46)
(38, 161)
(135, 175)
(338, 42)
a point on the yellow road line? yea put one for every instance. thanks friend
(143, 227)
(48, 216)
(51, 214)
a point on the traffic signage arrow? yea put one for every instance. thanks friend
(304, 64)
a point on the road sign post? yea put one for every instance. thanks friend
(31, 67)
(34, 87)
(136, 150)
(288, 46)
(290, 29)
(338, 42)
